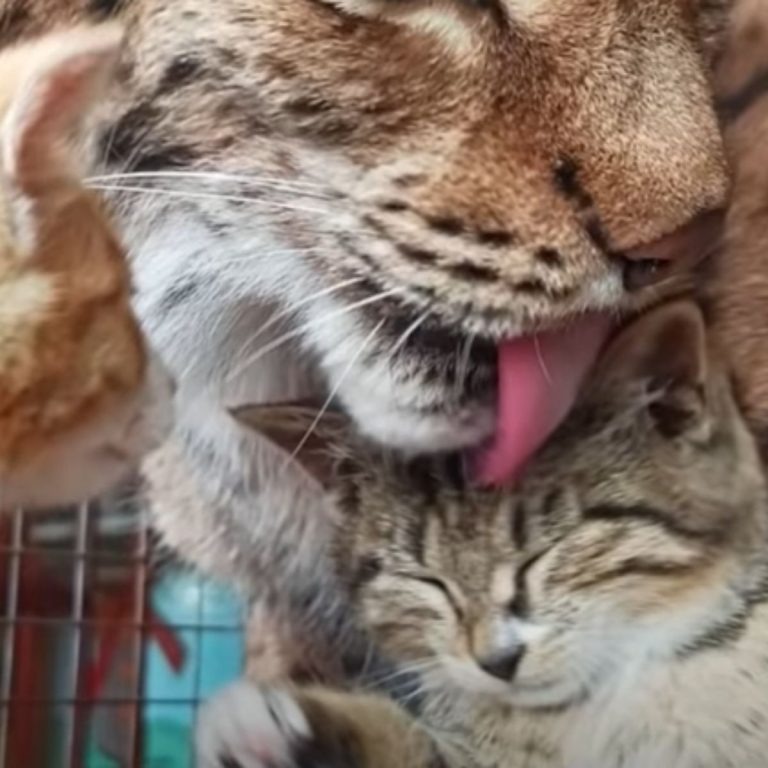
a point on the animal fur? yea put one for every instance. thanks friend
(740, 285)
(486, 163)
(81, 397)
(610, 611)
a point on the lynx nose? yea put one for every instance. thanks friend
(503, 664)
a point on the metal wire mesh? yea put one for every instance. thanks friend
(77, 628)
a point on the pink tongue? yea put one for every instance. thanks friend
(539, 377)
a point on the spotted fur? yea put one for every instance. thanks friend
(423, 178)
(611, 610)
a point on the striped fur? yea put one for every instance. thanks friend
(418, 179)
(609, 612)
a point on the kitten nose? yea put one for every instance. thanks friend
(502, 665)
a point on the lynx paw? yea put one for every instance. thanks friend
(246, 726)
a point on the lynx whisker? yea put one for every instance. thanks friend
(366, 342)
(290, 310)
(271, 181)
(406, 334)
(280, 340)
(268, 204)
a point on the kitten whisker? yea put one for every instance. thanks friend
(404, 670)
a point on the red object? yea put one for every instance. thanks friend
(118, 614)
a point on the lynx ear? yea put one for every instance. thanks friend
(55, 81)
(667, 349)
(309, 435)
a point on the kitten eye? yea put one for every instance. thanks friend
(368, 568)
(439, 584)
(434, 582)
(520, 605)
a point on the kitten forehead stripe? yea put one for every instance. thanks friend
(520, 525)
(636, 566)
(648, 514)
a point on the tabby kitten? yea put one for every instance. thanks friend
(608, 612)
(81, 396)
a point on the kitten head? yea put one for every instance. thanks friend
(629, 537)
(81, 397)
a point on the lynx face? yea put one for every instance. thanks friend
(413, 186)
(480, 172)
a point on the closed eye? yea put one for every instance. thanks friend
(414, 10)
(520, 605)
(442, 586)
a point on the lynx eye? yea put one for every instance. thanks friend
(422, 14)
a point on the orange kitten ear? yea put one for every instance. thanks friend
(57, 81)
(665, 348)
(309, 435)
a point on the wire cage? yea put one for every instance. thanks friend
(106, 649)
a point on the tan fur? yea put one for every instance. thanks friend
(619, 93)
(491, 162)
(741, 281)
(625, 575)
(75, 375)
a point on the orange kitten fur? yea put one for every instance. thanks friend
(81, 397)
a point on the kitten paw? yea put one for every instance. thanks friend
(247, 726)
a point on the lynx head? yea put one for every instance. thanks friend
(629, 537)
(440, 178)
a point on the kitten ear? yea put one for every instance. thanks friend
(667, 349)
(309, 435)
(57, 81)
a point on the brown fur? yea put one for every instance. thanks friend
(495, 163)
(552, 148)
(610, 610)
(741, 282)
(75, 371)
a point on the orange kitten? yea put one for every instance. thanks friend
(81, 397)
